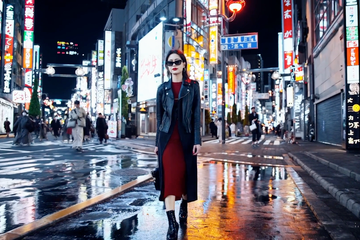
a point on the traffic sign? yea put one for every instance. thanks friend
(240, 41)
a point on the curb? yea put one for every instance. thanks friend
(322, 212)
(342, 197)
(336, 167)
(57, 216)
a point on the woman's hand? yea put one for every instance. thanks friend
(196, 149)
(156, 150)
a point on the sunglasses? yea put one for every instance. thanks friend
(177, 63)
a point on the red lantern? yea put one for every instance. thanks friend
(235, 5)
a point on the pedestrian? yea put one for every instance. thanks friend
(101, 128)
(65, 133)
(31, 128)
(178, 139)
(219, 129)
(213, 129)
(232, 129)
(37, 126)
(22, 126)
(56, 127)
(14, 127)
(7, 127)
(43, 130)
(253, 119)
(87, 128)
(78, 114)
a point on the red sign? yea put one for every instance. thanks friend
(287, 18)
(352, 56)
(29, 18)
(288, 59)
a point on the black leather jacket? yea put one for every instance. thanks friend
(190, 112)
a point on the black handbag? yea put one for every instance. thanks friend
(156, 175)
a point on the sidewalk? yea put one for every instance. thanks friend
(334, 175)
(4, 135)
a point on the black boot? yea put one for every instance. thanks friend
(183, 213)
(173, 226)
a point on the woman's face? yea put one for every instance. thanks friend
(175, 64)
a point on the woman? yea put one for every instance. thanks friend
(253, 118)
(178, 139)
(78, 114)
(22, 126)
(43, 130)
(101, 128)
(87, 128)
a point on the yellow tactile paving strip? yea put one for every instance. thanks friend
(50, 219)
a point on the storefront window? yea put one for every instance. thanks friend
(325, 13)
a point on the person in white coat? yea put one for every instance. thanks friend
(79, 115)
(219, 129)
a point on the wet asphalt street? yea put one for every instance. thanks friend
(244, 192)
(236, 201)
(49, 176)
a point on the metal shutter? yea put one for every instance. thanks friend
(328, 121)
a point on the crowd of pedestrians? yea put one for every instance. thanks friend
(27, 128)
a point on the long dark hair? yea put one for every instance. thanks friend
(182, 57)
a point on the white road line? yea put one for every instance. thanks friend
(231, 140)
(247, 141)
(212, 141)
(267, 142)
(276, 142)
(14, 159)
(237, 141)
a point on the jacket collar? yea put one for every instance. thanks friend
(186, 82)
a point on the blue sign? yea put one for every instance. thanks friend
(238, 42)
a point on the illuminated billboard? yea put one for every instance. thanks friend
(107, 68)
(67, 48)
(287, 19)
(100, 54)
(150, 63)
(352, 93)
(9, 48)
(28, 34)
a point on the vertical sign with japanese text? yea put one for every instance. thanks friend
(231, 79)
(213, 7)
(28, 34)
(352, 98)
(287, 19)
(9, 48)
(100, 48)
(107, 67)
(93, 81)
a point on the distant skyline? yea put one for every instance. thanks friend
(83, 22)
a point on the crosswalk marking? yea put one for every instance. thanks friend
(247, 141)
(231, 140)
(237, 141)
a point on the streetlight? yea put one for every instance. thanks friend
(50, 71)
(234, 6)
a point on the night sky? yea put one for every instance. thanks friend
(83, 21)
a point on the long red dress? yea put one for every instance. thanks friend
(173, 159)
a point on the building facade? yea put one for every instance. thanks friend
(329, 45)
(12, 74)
